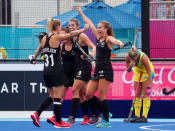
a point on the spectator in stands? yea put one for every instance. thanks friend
(165, 11)
(3, 53)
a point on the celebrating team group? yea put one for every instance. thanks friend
(65, 65)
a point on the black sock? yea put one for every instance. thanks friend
(105, 109)
(75, 105)
(57, 109)
(84, 107)
(96, 102)
(44, 105)
(93, 106)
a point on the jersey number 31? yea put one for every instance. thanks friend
(48, 59)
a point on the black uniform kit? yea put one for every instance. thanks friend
(103, 68)
(68, 65)
(53, 70)
(83, 68)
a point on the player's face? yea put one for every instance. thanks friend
(58, 28)
(101, 30)
(64, 32)
(73, 26)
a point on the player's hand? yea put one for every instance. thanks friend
(32, 61)
(82, 57)
(86, 26)
(130, 66)
(121, 46)
(79, 9)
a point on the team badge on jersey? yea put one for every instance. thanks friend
(101, 73)
(79, 73)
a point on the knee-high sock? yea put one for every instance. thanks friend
(137, 106)
(105, 109)
(74, 106)
(84, 107)
(93, 104)
(44, 105)
(146, 106)
(57, 109)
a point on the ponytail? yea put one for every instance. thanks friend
(49, 24)
(52, 24)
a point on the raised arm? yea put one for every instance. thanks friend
(88, 21)
(89, 43)
(60, 37)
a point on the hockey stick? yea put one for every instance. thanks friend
(133, 102)
(127, 44)
(89, 58)
(168, 92)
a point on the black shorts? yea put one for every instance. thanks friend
(70, 75)
(103, 73)
(55, 80)
(83, 74)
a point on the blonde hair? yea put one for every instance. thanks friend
(108, 27)
(133, 52)
(52, 24)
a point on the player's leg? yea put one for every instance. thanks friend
(84, 105)
(52, 119)
(75, 99)
(58, 106)
(146, 99)
(102, 95)
(138, 102)
(138, 95)
(47, 102)
(93, 101)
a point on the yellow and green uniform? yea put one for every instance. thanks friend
(139, 67)
(3, 53)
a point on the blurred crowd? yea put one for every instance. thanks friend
(163, 10)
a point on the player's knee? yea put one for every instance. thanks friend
(101, 96)
(89, 96)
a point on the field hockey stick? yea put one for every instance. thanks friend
(127, 44)
(89, 58)
(168, 92)
(133, 102)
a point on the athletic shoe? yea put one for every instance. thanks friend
(94, 120)
(51, 120)
(35, 119)
(110, 115)
(62, 125)
(135, 119)
(104, 124)
(71, 120)
(85, 120)
(143, 120)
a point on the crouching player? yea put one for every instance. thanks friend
(141, 63)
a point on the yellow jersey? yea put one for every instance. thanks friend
(140, 66)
